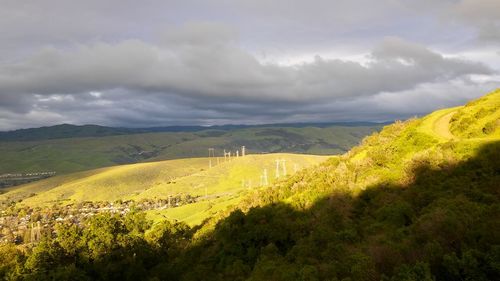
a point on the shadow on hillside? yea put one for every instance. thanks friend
(444, 224)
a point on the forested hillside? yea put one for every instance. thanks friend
(418, 201)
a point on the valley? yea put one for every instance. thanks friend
(185, 190)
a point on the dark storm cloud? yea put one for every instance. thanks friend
(200, 62)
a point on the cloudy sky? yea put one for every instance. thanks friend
(159, 63)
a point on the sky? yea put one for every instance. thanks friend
(161, 63)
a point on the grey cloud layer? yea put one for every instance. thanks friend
(221, 70)
(264, 24)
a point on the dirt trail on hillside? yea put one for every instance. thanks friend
(442, 126)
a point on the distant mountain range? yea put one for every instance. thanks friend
(69, 148)
(75, 131)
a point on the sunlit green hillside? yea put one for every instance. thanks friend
(417, 201)
(478, 119)
(104, 184)
(225, 184)
(159, 180)
(392, 154)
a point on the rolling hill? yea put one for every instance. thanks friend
(72, 154)
(64, 131)
(224, 182)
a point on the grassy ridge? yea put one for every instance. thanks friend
(158, 180)
(104, 183)
(478, 119)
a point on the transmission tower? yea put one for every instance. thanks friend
(227, 155)
(211, 154)
(280, 163)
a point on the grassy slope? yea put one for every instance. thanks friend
(78, 154)
(194, 214)
(159, 180)
(111, 183)
(225, 184)
(478, 119)
(400, 145)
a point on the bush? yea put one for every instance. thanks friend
(490, 127)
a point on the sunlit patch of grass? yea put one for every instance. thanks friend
(232, 176)
(479, 118)
(195, 213)
(106, 184)
(159, 180)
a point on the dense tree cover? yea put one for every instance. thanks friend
(400, 207)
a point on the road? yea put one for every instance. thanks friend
(442, 126)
